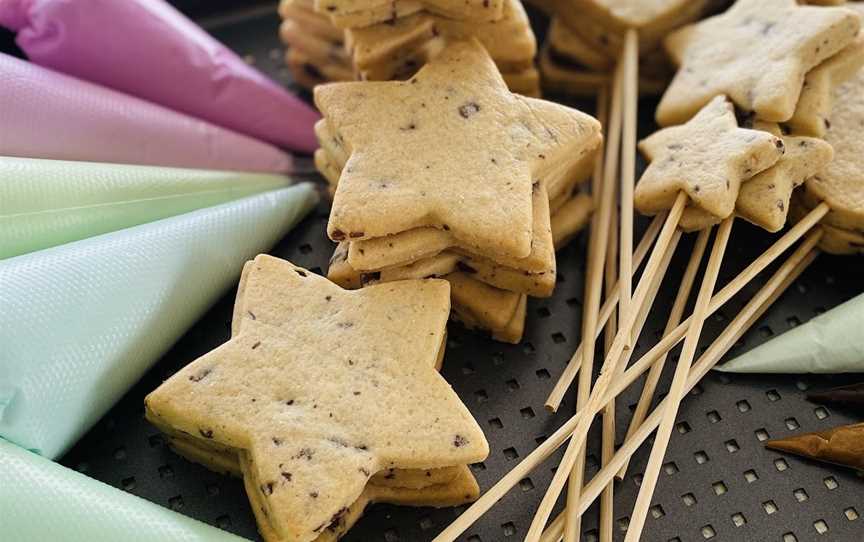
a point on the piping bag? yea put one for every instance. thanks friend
(41, 500)
(46, 114)
(44, 203)
(829, 343)
(147, 48)
(81, 322)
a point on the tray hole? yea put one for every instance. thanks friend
(496, 423)
(637, 479)
(831, 483)
(793, 321)
(512, 384)
(821, 413)
(623, 524)
(468, 369)
(689, 499)
(792, 424)
(120, 454)
(790, 537)
(558, 337)
(762, 435)
(525, 484)
(543, 312)
(780, 464)
(591, 461)
(801, 385)
(223, 522)
(497, 359)
(851, 514)
(426, 523)
(770, 507)
(766, 331)
(165, 471)
(213, 490)
(474, 538)
(156, 441)
(820, 526)
(543, 374)
(479, 467)
(508, 528)
(800, 494)
(750, 476)
(725, 379)
(317, 271)
(701, 457)
(527, 413)
(674, 539)
(719, 488)
(128, 483)
(670, 468)
(697, 390)
(743, 405)
(713, 416)
(732, 446)
(683, 427)
(772, 395)
(657, 511)
(574, 302)
(391, 535)
(708, 532)
(592, 536)
(738, 519)
(559, 277)
(176, 503)
(481, 396)
(720, 317)
(511, 453)
(541, 439)
(305, 248)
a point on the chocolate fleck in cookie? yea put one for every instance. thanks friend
(707, 158)
(757, 53)
(451, 148)
(319, 390)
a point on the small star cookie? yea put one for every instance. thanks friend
(708, 158)
(450, 148)
(757, 53)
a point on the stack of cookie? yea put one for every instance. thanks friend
(314, 447)
(585, 40)
(331, 44)
(451, 175)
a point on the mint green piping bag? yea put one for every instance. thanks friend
(44, 203)
(43, 501)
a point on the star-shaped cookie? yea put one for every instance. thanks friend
(359, 13)
(322, 388)
(841, 183)
(817, 97)
(757, 53)
(708, 158)
(450, 148)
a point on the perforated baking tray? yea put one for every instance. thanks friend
(718, 481)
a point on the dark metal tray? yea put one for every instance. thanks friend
(719, 482)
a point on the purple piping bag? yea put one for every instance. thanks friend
(45, 114)
(148, 49)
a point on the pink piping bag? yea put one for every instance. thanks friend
(148, 49)
(45, 114)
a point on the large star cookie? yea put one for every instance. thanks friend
(841, 183)
(322, 388)
(757, 53)
(708, 158)
(450, 148)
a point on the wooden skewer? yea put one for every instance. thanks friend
(547, 447)
(594, 273)
(675, 316)
(607, 499)
(679, 382)
(628, 169)
(607, 371)
(757, 306)
(609, 305)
